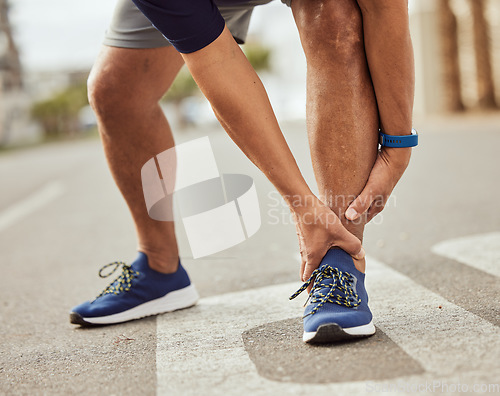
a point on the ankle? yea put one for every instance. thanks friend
(360, 265)
(164, 263)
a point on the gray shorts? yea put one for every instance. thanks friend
(131, 29)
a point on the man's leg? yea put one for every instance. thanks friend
(342, 117)
(125, 87)
(342, 125)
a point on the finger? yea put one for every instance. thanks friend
(302, 264)
(361, 204)
(302, 251)
(312, 262)
(373, 211)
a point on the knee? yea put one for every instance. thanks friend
(102, 90)
(111, 95)
(333, 28)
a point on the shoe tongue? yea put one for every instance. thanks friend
(338, 258)
(141, 262)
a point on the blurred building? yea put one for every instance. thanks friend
(428, 37)
(14, 102)
(10, 64)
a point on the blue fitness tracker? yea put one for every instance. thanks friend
(399, 141)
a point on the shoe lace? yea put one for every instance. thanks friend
(341, 281)
(121, 284)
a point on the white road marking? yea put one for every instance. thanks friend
(32, 203)
(201, 351)
(427, 326)
(478, 251)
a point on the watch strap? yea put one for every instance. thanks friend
(399, 140)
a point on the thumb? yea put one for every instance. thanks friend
(361, 204)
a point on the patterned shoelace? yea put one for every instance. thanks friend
(332, 279)
(121, 284)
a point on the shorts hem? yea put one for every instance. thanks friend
(135, 44)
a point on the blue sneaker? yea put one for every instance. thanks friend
(338, 308)
(138, 292)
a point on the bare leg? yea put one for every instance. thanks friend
(124, 89)
(342, 118)
(390, 57)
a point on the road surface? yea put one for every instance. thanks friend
(432, 275)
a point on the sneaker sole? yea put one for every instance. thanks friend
(173, 301)
(332, 332)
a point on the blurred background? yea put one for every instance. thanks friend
(44, 63)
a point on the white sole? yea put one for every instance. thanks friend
(178, 299)
(339, 333)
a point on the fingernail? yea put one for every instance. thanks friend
(351, 214)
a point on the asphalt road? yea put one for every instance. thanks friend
(433, 278)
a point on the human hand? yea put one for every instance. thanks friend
(319, 229)
(386, 172)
